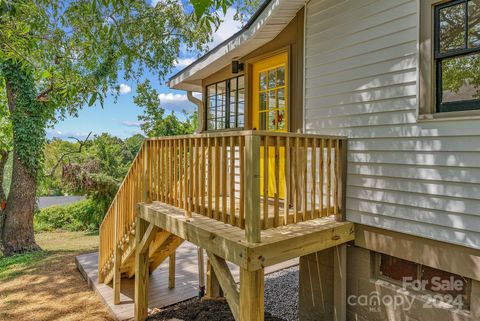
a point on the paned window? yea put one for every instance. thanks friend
(226, 104)
(457, 55)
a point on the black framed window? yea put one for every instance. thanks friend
(457, 55)
(226, 104)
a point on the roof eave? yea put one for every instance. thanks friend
(238, 45)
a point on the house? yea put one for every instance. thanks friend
(367, 110)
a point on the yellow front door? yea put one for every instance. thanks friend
(270, 110)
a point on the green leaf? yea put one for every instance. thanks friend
(201, 6)
(46, 74)
(92, 99)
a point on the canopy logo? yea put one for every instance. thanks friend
(433, 293)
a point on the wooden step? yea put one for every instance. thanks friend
(163, 245)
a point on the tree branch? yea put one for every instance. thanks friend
(60, 160)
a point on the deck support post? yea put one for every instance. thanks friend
(251, 295)
(117, 262)
(117, 277)
(201, 273)
(171, 270)
(141, 272)
(340, 282)
(101, 276)
(252, 189)
(214, 289)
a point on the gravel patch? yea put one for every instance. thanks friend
(200, 310)
(281, 293)
(281, 303)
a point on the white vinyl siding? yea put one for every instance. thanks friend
(361, 81)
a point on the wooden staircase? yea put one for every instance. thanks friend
(117, 231)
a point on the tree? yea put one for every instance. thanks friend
(101, 169)
(58, 153)
(133, 145)
(58, 56)
(154, 122)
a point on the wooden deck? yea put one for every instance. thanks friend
(228, 242)
(159, 293)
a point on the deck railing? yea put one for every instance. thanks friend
(224, 176)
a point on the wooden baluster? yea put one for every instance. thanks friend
(145, 174)
(232, 180)
(321, 171)
(209, 178)
(265, 182)
(202, 178)
(185, 176)
(149, 158)
(335, 176)
(313, 179)
(152, 173)
(172, 169)
(329, 174)
(276, 210)
(167, 172)
(175, 170)
(164, 171)
(242, 182)
(296, 179)
(159, 172)
(216, 173)
(305, 179)
(190, 176)
(178, 172)
(224, 177)
(288, 191)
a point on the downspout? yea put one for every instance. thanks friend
(199, 104)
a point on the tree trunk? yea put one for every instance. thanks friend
(17, 234)
(3, 162)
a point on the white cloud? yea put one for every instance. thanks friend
(172, 98)
(124, 89)
(67, 135)
(227, 28)
(184, 62)
(177, 102)
(130, 123)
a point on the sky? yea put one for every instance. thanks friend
(120, 118)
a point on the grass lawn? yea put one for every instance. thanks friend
(46, 285)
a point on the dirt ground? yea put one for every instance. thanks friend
(200, 310)
(52, 288)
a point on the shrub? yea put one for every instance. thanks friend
(85, 215)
